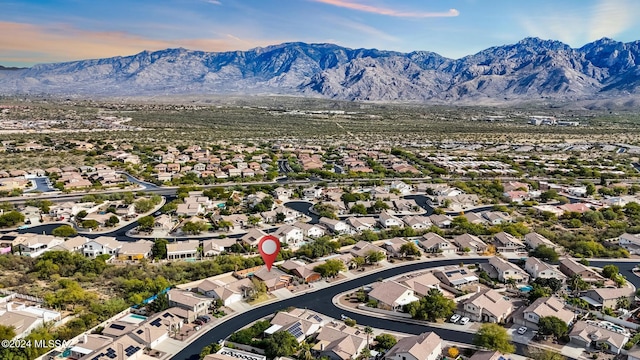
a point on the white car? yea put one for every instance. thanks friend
(464, 320)
(455, 318)
(522, 330)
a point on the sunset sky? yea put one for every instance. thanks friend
(39, 31)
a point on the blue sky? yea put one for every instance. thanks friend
(40, 31)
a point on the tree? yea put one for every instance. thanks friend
(225, 224)
(81, 214)
(623, 303)
(358, 209)
(7, 332)
(159, 249)
(409, 249)
(494, 337)
(610, 271)
(11, 218)
(545, 253)
(591, 189)
(453, 352)
(330, 268)
(253, 220)
(146, 223)
(359, 261)
(538, 292)
(281, 343)
(112, 221)
(431, 307)
(90, 224)
(577, 284)
(280, 217)
(194, 228)
(552, 325)
(384, 342)
(64, 231)
(143, 206)
(368, 330)
(374, 257)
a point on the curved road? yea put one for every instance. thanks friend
(321, 301)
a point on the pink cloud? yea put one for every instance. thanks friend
(30, 43)
(385, 11)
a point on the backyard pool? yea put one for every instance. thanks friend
(526, 288)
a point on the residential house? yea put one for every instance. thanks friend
(607, 297)
(571, 268)
(470, 243)
(282, 194)
(194, 304)
(506, 242)
(88, 345)
(589, 335)
(405, 205)
(392, 295)
(441, 221)
(434, 243)
(387, 220)
(34, 245)
(339, 342)
(164, 222)
(417, 222)
(297, 322)
(181, 250)
(543, 307)
(230, 293)
(24, 318)
(489, 355)
(291, 235)
(359, 224)
(363, 248)
(157, 328)
(488, 306)
(421, 284)
(533, 240)
(124, 347)
(507, 271)
(309, 230)
(135, 250)
(538, 269)
(274, 279)
(474, 218)
(426, 346)
(456, 277)
(517, 196)
(393, 246)
(497, 217)
(100, 246)
(631, 242)
(336, 226)
(73, 244)
(213, 247)
(302, 270)
(253, 236)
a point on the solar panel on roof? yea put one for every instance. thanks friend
(165, 315)
(117, 326)
(139, 331)
(156, 323)
(317, 317)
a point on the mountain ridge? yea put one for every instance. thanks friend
(530, 68)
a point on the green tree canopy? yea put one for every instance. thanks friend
(431, 307)
(552, 325)
(159, 249)
(545, 253)
(330, 268)
(64, 231)
(281, 343)
(610, 271)
(384, 342)
(494, 337)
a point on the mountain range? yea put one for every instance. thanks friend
(530, 69)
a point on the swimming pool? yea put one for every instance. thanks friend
(136, 316)
(526, 288)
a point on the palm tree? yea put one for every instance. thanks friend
(305, 352)
(368, 330)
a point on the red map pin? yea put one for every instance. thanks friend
(269, 247)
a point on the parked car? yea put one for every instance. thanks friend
(204, 318)
(455, 318)
(464, 320)
(198, 322)
(522, 330)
